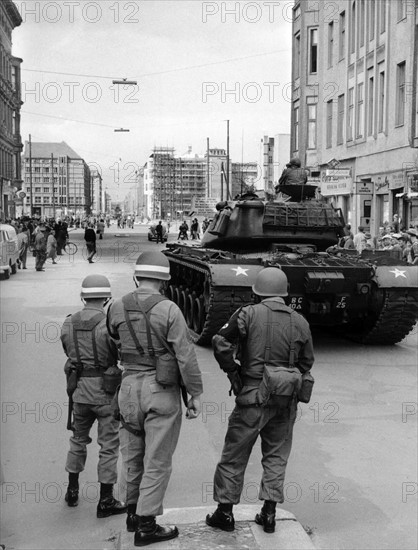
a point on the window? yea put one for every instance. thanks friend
(311, 126)
(340, 120)
(381, 108)
(353, 29)
(37, 200)
(46, 200)
(342, 35)
(313, 49)
(46, 170)
(297, 56)
(361, 23)
(296, 12)
(329, 123)
(360, 110)
(370, 108)
(37, 169)
(350, 115)
(401, 9)
(400, 94)
(296, 129)
(372, 18)
(330, 43)
(37, 180)
(46, 180)
(37, 189)
(382, 16)
(46, 189)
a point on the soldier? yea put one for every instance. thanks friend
(413, 252)
(156, 351)
(292, 174)
(90, 353)
(268, 333)
(40, 248)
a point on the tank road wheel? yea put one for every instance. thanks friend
(170, 292)
(199, 314)
(190, 308)
(176, 298)
(183, 301)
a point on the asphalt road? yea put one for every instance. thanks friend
(352, 475)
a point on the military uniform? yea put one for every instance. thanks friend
(151, 412)
(40, 250)
(255, 330)
(91, 402)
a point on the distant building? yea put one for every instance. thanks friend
(357, 131)
(97, 193)
(244, 175)
(10, 103)
(57, 182)
(216, 178)
(274, 156)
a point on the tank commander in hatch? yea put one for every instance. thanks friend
(292, 174)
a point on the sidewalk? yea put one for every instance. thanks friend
(196, 535)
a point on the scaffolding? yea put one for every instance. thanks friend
(164, 182)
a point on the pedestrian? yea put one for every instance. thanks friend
(413, 251)
(90, 238)
(100, 228)
(275, 348)
(183, 231)
(40, 248)
(156, 350)
(292, 174)
(360, 239)
(92, 375)
(22, 244)
(194, 229)
(61, 235)
(159, 232)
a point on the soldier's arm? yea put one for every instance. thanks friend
(306, 354)
(111, 328)
(224, 343)
(179, 337)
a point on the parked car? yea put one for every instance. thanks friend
(9, 252)
(152, 234)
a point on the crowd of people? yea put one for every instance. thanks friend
(403, 242)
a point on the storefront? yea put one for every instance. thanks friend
(337, 188)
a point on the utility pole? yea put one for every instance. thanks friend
(208, 189)
(228, 195)
(30, 175)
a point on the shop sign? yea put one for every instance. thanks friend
(336, 182)
(364, 187)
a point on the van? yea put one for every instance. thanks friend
(9, 250)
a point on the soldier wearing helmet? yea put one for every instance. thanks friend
(265, 334)
(292, 174)
(92, 356)
(156, 354)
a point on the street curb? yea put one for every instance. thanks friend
(289, 534)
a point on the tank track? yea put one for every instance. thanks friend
(395, 320)
(217, 303)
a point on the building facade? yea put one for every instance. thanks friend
(10, 103)
(354, 105)
(57, 181)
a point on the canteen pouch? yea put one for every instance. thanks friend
(305, 391)
(114, 405)
(278, 386)
(166, 370)
(112, 377)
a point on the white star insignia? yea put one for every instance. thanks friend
(398, 273)
(240, 271)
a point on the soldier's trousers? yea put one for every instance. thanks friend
(275, 427)
(154, 411)
(107, 438)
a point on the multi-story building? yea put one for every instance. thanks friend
(354, 104)
(244, 175)
(10, 102)
(275, 154)
(57, 181)
(97, 192)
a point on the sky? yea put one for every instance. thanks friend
(196, 64)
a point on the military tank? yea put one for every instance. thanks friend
(372, 297)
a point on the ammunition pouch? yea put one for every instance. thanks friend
(305, 392)
(112, 377)
(167, 372)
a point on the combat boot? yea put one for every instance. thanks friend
(132, 519)
(223, 518)
(71, 496)
(108, 505)
(149, 532)
(267, 516)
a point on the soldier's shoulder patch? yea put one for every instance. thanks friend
(226, 325)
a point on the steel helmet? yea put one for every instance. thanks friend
(95, 286)
(153, 265)
(270, 281)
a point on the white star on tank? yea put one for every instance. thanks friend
(240, 271)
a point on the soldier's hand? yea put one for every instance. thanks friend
(193, 408)
(236, 382)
